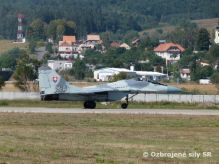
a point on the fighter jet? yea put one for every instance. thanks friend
(53, 87)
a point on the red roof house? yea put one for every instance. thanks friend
(169, 51)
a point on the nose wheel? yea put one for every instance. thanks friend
(89, 105)
(125, 105)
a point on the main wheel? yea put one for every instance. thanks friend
(124, 105)
(89, 104)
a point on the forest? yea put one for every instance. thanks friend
(100, 15)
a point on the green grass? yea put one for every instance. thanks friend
(104, 138)
(114, 105)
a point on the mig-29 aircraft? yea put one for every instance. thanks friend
(53, 87)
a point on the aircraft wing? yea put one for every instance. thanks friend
(86, 91)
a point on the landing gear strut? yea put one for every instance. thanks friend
(125, 105)
(89, 105)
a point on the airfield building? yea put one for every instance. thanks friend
(106, 74)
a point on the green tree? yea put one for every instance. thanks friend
(120, 76)
(36, 31)
(26, 71)
(32, 46)
(214, 54)
(8, 59)
(203, 40)
(185, 34)
(59, 27)
(100, 16)
(79, 69)
(215, 79)
(70, 28)
(2, 82)
(49, 48)
(199, 72)
(60, 31)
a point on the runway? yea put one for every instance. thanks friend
(195, 112)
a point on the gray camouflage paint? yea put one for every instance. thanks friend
(50, 83)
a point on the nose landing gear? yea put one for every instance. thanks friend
(125, 105)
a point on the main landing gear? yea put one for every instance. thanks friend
(89, 105)
(125, 105)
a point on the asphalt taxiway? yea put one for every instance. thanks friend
(196, 112)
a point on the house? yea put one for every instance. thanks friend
(67, 47)
(69, 39)
(94, 38)
(60, 64)
(136, 42)
(126, 46)
(115, 44)
(169, 51)
(185, 74)
(92, 42)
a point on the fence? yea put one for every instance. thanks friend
(176, 98)
(140, 97)
(19, 96)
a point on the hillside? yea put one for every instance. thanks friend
(6, 45)
(100, 15)
(209, 24)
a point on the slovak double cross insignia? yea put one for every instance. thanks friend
(55, 79)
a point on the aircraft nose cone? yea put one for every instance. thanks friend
(171, 89)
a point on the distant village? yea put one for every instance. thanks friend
(69, 49)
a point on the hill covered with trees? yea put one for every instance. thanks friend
(101, 15)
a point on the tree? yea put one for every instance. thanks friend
(214, 54)
(79, 69)
(215, 79)
(99, 16)
(26, 71)
(32, 46)
(36, 30)
(70, 28)
(60, 31)
(203, 41)
(8, 59)
(58, 27)
(185, 34)
(120, 76)
(2, 82)
(201, 72)
(49, 48)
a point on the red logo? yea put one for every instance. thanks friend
(55, 79)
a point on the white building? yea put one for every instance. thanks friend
(185, 74)
(204, 81)
(126, 46)
(150, 75)
(216, 40)
(67, 47)
(105, 74)
(59, 64)
(169, 51)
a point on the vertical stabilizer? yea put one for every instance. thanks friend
(52, 83)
